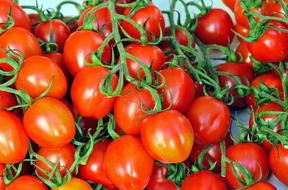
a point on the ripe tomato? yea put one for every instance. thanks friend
(252, 156)
(94, 170)
(55, 31)
(167, 136)
(244, 53)
(151, 16)
(242, 31)
(79, 46)
(163, 185)
(75, 184)
(131, 107)
(158, 175)
(49, 123)
(34, 19)
(7, 100)
(88, 124)
(86, 95)
(36, 74)
(14, 141)
(262, 186)
(210, 127)
(2, 184)
(27, 182)
(215, 28)
(230, 3)
(20, 39)
(278, 160)
(274, 8)
(204, 180)
(129, 167)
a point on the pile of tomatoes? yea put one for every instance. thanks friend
(125, 96)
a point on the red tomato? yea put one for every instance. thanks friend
(129, 167)
(27, 182)
(79, 46)
(131, 107)
(49, 123)
(210, 127)
(36, 74)
(216, 27)
(75, 184)
(244, 53)
(158, 175)
(204, 180)
(14, 141)
(230, 3)
(55, 31)
(163, 185)
(242, 31)
(251, 156)
(151, 16)
(86, 95)
(261, 186)
(7, 100)
(167, 136)
(94, 170)
(278, 160)
(20, 39)
(274, 8)
(2, 184)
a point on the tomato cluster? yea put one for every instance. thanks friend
(119, 97)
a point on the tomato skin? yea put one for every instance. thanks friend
(128, 108)
(203, 180)
(130, 167)
(14, 143)
(75, 184)
(242, 31)
(7, 100)
(215, 28)
(243, 51)
(167, 136)
(163, 185)
(22, 40)
(79, 46)
(94, 170)
(273, 8)
(54, 30)
(262, 186)
(251, 156)
(230, 3)
(49, 123)
(209, 127)
(86, 95)
(27, 182)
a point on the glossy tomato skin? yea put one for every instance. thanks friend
(129, 167)
(7, 100)
(49, 123)
(151, 16)
(163, 185)
(54, 30)
(27, 182)
(43, 71)
(251, 156)
(86, 95)
(129, 109)
(244, 53)
(14, 143)
(274, 8)
(230, 3)
(94, 170)
(215, 28)
(75, 184)
(242, 31)
(203, 180)
(79, 46)
(209, 127)
(261, 186)
(22, 40)
(167, 136)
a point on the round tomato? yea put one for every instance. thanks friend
(163, 185)
(27, 182)
(242, 31)
(7, 100)
(261, 186)
(244, 53)
(75, 184)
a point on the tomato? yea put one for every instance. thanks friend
(230, 3)
(36, 74)
(27, 182)
(216, 27)
(244, 53)
(273, 41)
(79, 46)
(274, 8)
(75, 184)
(129, 167)
(158, 175)
(19, 16)
(14, 141)
(252, 156)
(151, 56)
(55, 31)
(7, 100)
(278, 160)
(151, 16)
(242, 31)
(131, 107)
(262, 186)
(34, 19)
(2, 184)
(88, 124)
(94, 170)
(210, 127)
(163, 185)
(167, 136)
(22, 40)
(203, 180)
(49, 123)
(86, 95)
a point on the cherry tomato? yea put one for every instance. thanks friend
(79, 46)
(167, 136)
(216, 27)
(242, 31)
(230, 3)
(244, 53)
(14, 141)
(262, 186)
(86, 95)
(203, 180)
(163, 185)
(75, 184)
(129, 167)
(49, 123)
(274, 8)
(27, 182)
(252, 156)
(210, 127)
(7, 100)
